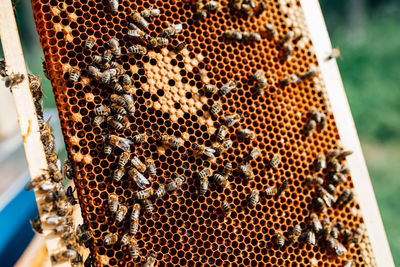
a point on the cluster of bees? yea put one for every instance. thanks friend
(55, 202)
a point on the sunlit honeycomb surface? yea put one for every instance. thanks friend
(186, 229)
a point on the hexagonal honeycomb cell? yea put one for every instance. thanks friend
(168, 87)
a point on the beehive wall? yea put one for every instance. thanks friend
(185, 228)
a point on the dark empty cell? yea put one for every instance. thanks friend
(171, 82)
(160, 92)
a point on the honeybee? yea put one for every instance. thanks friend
(229, 86)
(63, 256)
(314, 180)
(321, 163)
(95, 73)
(331, 189)
(102, 111)
(288, 36)
(113, 203)
(343, 196)
(328, 198)
(98, 120)
(140, 138)
(258, 75)
(204, 173)
(280, 239)
(89, 43)
(36, 182)
(139, 20)
(158, 42)
(227, 169)
(74, 74)
(151, 261)
(3, 70)
(315, 223)
(171, 141)
(212, 6)
(357, 235)
(226, 208)
(335, 53)
(215, 108)
(344, 153)
(247, 10)
(148, 205)
(84, 237)
(134, 249)
(348, 199)
(121, 212)
(36, 225)
(219, 148)
(237, 4)
(114, 6)
(309, 74)
(222, 132)
(271, 191)
(334, 232)
(254, 198)
(54, 220)
(323, 121)
(110, 239)
(287, 52)
(115, 49)
(125, 239)
(129, 103)
(275, 160)
(134, 225)
(246, 170)
(126, 81)
(107, 56)
(136, 33)
(114, 123)
(270, 28)
(320, 204)
(310, 237)
(254, 153)
(233, 35)
(116, 141)
(210, 88)
(70, 195)
(247, 133)
(310, 128)
(151, 167)
(282, 187)
(231, 120)
(294, 236)
(34, 86)
(139, 178)
(97, 60)
(326, 228)
(175, 184)
(138, 50)
(160, 192)
(179, 47)
(251, 36)
(119, 173)
(123, 159)
(172, 30)
(45, 72)
(117, 87)
(13, 79)
(145, 193)
(150, 13)
(203, 150)
(203, 186)
(338, 247)
(138, 164)
(221, 180)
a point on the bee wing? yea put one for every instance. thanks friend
(141, 181)
(124, 144)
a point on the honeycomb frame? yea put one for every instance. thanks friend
(185, 228)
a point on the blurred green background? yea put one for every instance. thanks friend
(368, 35)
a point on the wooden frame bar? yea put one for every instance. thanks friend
(26, 113)
(347, 131)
